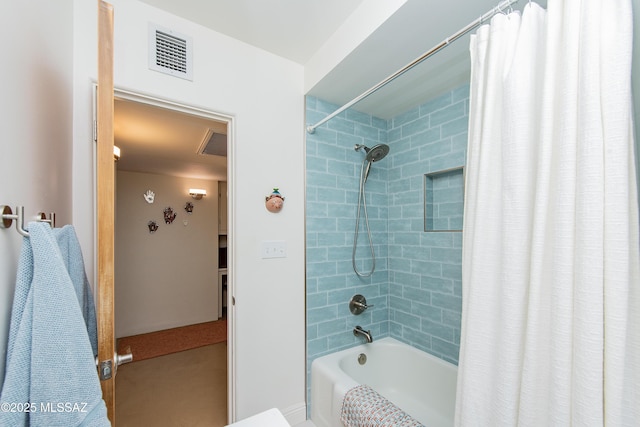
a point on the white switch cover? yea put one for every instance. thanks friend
(274, 249)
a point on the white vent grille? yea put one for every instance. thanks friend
(170, 52)
(213, 144)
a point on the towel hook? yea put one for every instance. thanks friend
(8, 217)
(42, 217)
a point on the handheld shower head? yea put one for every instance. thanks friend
(375, 153)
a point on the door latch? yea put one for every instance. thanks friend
(105, 370)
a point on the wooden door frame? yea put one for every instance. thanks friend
(104, 170)
(127, 95)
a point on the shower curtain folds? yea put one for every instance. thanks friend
(551, 266)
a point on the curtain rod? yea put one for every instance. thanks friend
(498, 9)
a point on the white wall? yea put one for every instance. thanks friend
(636, 82)
(264, 94)
(168, 278)
(35, 118)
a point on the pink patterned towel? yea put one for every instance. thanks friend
(364, 407)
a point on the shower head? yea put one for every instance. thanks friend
(375, 153)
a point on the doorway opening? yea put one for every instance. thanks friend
(173, 258)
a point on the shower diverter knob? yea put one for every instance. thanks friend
(358, 304)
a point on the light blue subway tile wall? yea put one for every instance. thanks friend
(444, 192)
(417, 286)
(333, 170)
(425, 271)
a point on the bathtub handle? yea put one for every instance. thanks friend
(358, 304)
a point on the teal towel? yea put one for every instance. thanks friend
(50, 376)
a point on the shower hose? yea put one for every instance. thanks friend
(362, 203)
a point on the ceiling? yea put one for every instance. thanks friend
(157, 140)
(268, 24)
(412, 30)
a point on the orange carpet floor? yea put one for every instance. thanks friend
(154, 344)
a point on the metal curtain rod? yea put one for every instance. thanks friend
(498, 9)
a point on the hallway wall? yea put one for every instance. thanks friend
(169, 278)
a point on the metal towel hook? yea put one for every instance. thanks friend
(8, 217)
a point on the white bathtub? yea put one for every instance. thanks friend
(422, 385)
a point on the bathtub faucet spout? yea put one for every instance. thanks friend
(359, 331)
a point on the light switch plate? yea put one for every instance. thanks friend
(274, 249)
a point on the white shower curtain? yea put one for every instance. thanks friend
(551, 298)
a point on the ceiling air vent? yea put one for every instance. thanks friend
(170, 52)
(213, 144)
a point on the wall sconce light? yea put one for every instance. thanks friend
(116, 153)
(197, 193)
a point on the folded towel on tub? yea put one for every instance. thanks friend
(364, 407)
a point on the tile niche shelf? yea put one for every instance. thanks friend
(444, 200)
